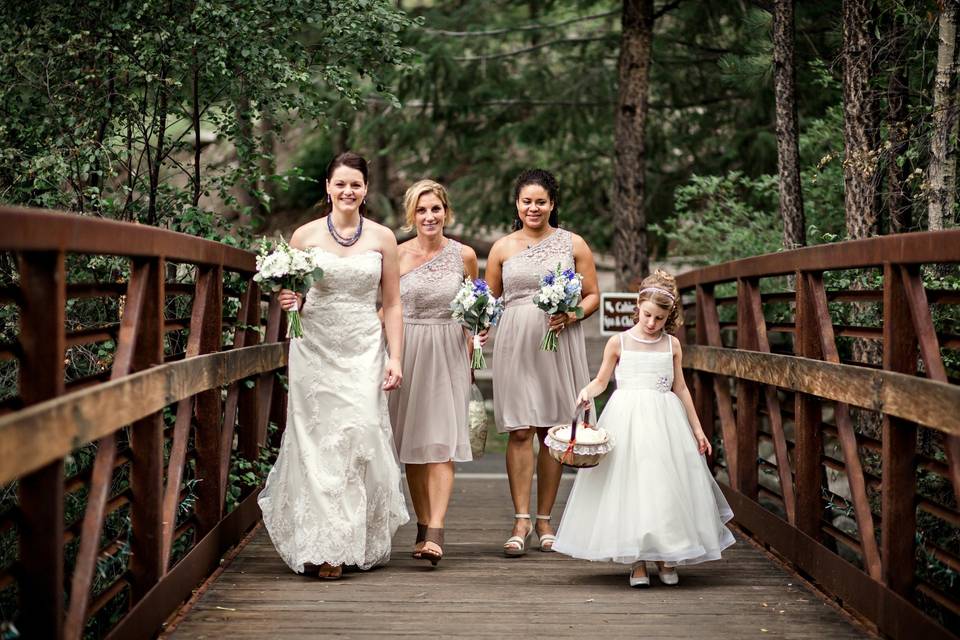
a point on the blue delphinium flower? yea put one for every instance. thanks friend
(568, 274)
(549, 278)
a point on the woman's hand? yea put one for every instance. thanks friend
(703, 445)
(392, 376)
(483, 336)
(560, 321)
(290, 301)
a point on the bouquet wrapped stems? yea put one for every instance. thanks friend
(478, 361)
(294, 325)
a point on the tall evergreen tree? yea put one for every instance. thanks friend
(859, 120)
(788, 129)
(629, 206)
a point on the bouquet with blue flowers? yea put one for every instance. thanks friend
(560, 292)
(476, 308)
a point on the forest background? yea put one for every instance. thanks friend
(694, 131)
(660, 119)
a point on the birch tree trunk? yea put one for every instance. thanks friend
(942, 171)
(859, 121)
(788, 147)
(629, 208)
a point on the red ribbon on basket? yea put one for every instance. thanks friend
(573, 434)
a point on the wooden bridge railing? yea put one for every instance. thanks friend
(823, 370)
(115, 499)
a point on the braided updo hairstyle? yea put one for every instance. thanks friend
(661, 281)
(545, 179)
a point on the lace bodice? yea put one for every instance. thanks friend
(522, 271)
(645, 366)
(349, 282)
(426, 291)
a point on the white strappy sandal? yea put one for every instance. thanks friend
(517, 545)
(547, 538)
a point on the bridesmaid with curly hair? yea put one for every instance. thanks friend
(534, 390)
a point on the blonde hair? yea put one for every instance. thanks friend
(660, 288)
(412, 197)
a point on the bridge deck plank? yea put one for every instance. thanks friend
(476, 592)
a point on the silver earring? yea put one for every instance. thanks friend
(328, 199)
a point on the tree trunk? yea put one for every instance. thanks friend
(788, 146)
(942, 172)
(897, 194)
(629, 208)
(859, 121)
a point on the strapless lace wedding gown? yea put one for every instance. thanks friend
(334, 494)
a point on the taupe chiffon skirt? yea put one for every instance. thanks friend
(429, 411)
(533, 388)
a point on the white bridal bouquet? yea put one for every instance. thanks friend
(285, 267)
(475, 308)
(560, 292)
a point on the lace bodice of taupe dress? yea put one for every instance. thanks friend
(532, 387)
(334, 494)
(429, 411)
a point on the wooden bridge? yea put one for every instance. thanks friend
(131, 450)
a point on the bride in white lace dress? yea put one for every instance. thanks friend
(334, 497)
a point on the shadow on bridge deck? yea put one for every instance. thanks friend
(476, 592)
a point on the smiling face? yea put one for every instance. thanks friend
(534, 206)
(651, 317)
(347, 189)
(429, 215)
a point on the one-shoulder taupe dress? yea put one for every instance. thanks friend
(429, 411)
(534, 388)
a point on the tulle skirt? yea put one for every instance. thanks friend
(652, 497)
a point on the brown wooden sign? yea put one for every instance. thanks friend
(616, 311)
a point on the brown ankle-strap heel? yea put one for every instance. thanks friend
(436, 537)
(421, 536)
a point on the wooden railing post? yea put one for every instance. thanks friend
(209, 509)
(747, 392)
(807, 418)
(703, 382)
(899, 442)
(249, 412)
(707, 306)
(146, 440)
(43, 345)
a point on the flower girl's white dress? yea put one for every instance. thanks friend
(652, 497)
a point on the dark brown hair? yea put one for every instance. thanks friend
(350, 160)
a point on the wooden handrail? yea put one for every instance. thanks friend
(43, 230)
(44, 432)
(910, 389)
(49, 420)
(928, 402)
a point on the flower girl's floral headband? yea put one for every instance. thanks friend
(663, 292)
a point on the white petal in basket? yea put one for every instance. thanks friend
(589, 448)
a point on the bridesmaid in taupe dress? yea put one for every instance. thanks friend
(429, 412)
(534, 390)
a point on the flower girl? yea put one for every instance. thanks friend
(652, 498)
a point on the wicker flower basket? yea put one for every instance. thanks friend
(586, 452)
